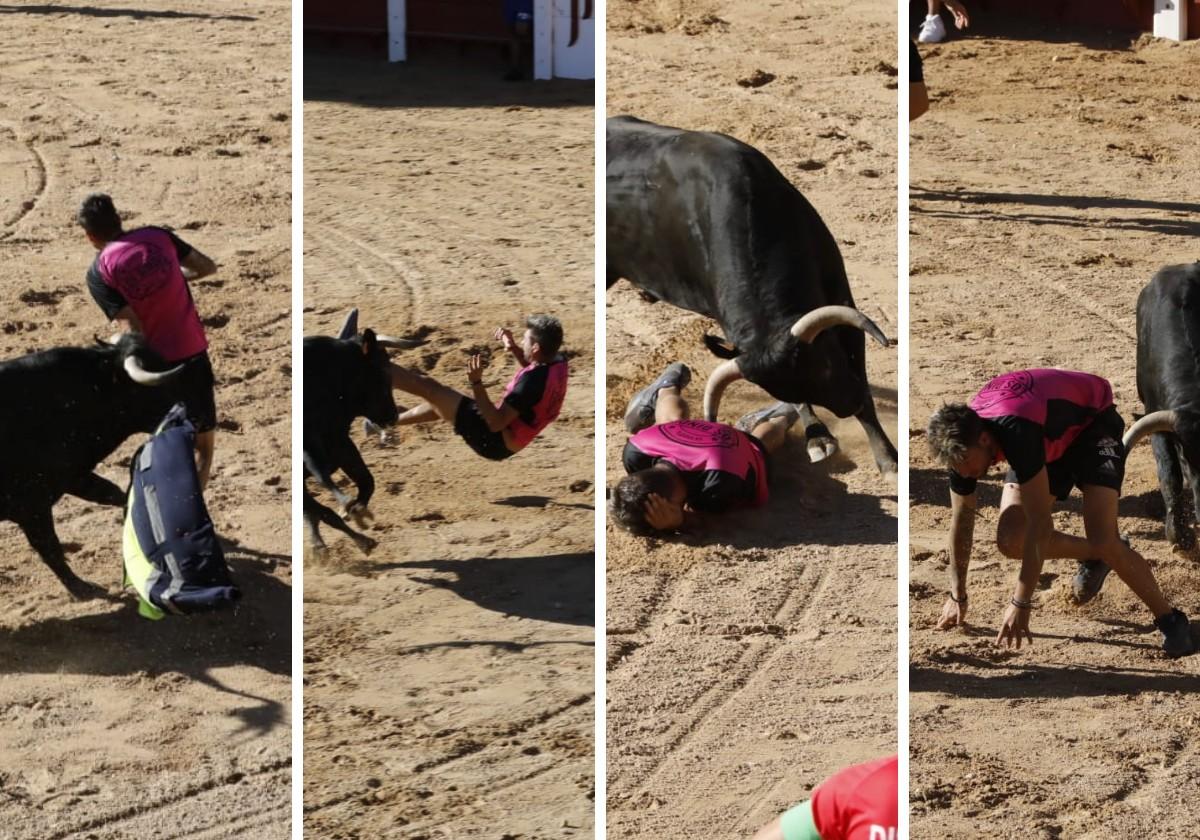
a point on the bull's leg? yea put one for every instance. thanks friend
(319, 469)
(352, 464)
(818, 439)
(881, 447)
(316, 513)
(38, 527)
(1170, 484)
(98, 489)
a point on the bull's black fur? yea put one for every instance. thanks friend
(707, 223)
(64, 412)
(1168, 377)
(343, 379)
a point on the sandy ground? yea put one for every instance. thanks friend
(114, 726)
(1054, 175)
(748, 662)
(449, 675)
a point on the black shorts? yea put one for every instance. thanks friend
(472, 428)
(1096, 457)
(766, 456)
(194, 388)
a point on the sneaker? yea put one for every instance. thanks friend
(640, 413)
(1090, 575)
(1177, 634)
(780, 409)
(933, 30)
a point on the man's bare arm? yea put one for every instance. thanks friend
(196, 265)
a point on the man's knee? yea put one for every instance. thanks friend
(1111, 550)
(1010, 533)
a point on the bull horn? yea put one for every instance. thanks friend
(725, 375)
(349, 326)
(397, 343)
(1156, 421)
(812, 324)
(144, 377)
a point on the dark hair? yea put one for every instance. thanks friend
(628, 503)
(546, 332)
(952, 429)
(98, 216)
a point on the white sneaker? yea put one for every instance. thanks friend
(933, 31)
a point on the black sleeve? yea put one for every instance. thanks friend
(107, 298)
(634, 459)
(182, 249)
(528, 392)
(916, 70)
(961, 484)
(1024, 445)
(719, 491)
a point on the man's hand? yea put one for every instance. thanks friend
(1015, 626)
(954, 614)
(662, 515)
(475, 369)
(505, 337)
(961, 20)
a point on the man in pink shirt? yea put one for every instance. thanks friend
(1056, 429)
(531, 401)
(678, 467)
(139, 280)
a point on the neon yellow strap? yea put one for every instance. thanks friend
(798, 823)
(138, 571)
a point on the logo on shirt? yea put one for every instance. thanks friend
(1009, 386)
(879, 832)
(700, 433)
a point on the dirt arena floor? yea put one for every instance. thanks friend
(1054, 175)
(750, 661)
(449, 688)
(114, 726)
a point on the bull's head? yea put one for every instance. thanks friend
(379, 403)
(787, 367)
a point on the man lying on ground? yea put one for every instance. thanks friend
(858, 803)
(679, 466)
(1057, 429)
(531, 401)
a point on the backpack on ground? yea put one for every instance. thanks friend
(172, 556)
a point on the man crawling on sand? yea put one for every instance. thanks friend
(1057, 429)
(679, 467)
(531, 401)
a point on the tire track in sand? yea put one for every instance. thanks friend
(263, 774)
(377, 268)
(803, 594)
(39, 178)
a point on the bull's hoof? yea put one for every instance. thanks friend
(365, 544)
(380, 434)
(820, 448)
(358, 514)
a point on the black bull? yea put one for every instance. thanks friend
(708, 224)
(1168, 383)
(344, 378)
(65, 410)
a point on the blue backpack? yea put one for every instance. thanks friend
(172, 556)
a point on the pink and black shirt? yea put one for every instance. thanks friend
(721, 466)
(1035, 416)
(536, 391)
(141, 270)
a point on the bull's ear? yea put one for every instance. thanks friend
(721, 348)
(368, 342)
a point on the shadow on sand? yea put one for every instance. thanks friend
(554, 587)
(434, 80)
(136, 14)
(256, 633)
